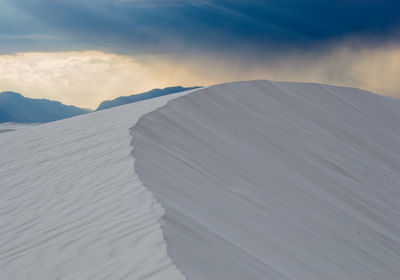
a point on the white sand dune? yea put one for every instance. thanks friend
(265, 180)
(259, 180)
(71, 205)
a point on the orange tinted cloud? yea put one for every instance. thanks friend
(89, 77)
(79, 78)
(374, 69)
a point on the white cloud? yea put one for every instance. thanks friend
(80, 78)
(89, 77)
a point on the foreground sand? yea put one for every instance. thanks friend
(71, 205)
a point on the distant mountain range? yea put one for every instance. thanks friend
(141, 96)
(19, 109)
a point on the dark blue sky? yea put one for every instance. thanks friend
(166, 26)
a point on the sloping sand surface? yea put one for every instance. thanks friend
(71, 205)
(265, 180)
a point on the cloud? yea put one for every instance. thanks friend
(371, 68)
(166, 26)
(143, 44)
(86, 78)
(81, 78)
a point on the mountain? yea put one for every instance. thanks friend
(141, 96)
(16, 108)
(248, 180)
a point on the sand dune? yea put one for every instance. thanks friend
(248, 180)
(264, 180)
(71, 205)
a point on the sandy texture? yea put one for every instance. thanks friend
(264, 180)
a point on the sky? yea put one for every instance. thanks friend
(84, 52)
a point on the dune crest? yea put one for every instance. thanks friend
(268, 180)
